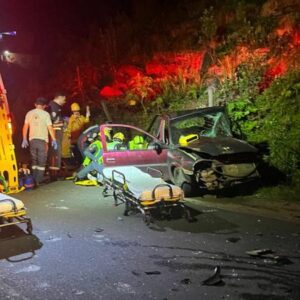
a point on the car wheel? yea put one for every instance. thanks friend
(181, 180)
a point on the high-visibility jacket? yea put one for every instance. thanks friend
(76, 126)
(95, 148)
(66, 146)
(116, 145)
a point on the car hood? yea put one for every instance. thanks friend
(220, 146)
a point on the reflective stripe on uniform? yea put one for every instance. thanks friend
(54, 168)
(40, 168)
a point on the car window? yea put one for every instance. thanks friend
(122, 138)
(199, 124)
(155, 126)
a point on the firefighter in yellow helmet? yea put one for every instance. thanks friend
(76, 125)
(118, 142)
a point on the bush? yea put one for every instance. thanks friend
(270, 118)
(279, 123)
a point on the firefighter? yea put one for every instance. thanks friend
(58, 123)
(93, 156)
(118, 142)
(76, 125)
(86, 138)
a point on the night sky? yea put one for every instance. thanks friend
(40, 26)
(36, 21)
(43, 28)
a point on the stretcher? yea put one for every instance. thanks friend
(140, 191)
(12, 212)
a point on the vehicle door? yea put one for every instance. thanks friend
(139, 149)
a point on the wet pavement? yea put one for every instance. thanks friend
(83, 247)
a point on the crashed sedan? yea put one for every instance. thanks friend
(192, 149)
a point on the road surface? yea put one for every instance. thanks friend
(83, 247)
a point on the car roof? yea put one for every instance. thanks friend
(177, 114)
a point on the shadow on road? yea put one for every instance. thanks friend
(204, 221)
(16, 245)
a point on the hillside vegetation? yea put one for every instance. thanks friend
(165, 54)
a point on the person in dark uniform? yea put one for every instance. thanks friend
(55, 107)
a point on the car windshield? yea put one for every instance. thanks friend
(195, 125)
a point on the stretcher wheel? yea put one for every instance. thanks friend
(29, 227)
(127, 209)
(148, 219)
(115, 198)
(187, 215)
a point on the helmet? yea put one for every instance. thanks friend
(119, 136)
(184, 140)
(75, 107)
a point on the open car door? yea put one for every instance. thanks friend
(125, 145)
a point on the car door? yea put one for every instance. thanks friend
(150, 155)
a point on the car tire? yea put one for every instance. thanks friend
(182, 180)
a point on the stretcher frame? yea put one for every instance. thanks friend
(15, 216)
(122, 194)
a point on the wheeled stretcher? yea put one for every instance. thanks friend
(12, 212)
(140, 191)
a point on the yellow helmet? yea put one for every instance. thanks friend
(184, 140)
(119, 136)
(75, 107)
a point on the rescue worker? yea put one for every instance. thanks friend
(118, 142)
(93, 156)
(137, 143)
(38, 122)
(76, 125)
(86, 138)
(58, 123)
(66, 142)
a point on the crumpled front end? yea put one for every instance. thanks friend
(214, 174)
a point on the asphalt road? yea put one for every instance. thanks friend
(83, 247)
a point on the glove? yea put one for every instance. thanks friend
(24, 143)
(54, 145)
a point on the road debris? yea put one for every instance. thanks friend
(152, 272)
(215, 279)
(259, 252)
(135, 273)
(269, 257)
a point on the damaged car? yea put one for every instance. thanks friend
(192, 149)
